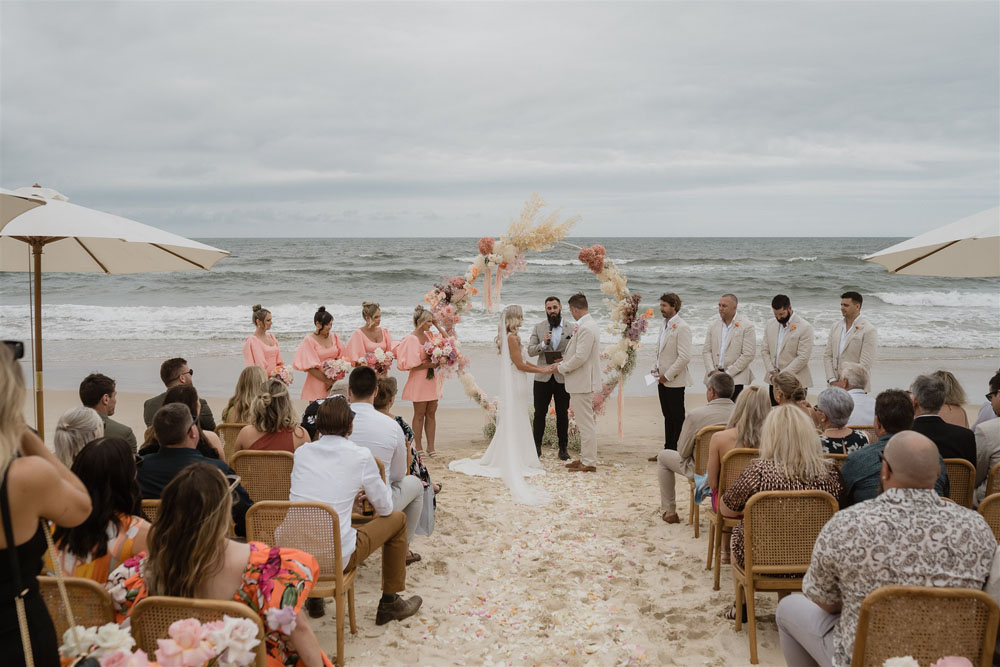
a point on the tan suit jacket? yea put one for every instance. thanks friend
(795, 349)
(536, 347)
(581, 365)
(741, 348)
(987, 453)
(862, 343)
(711, 414)
(675, 354)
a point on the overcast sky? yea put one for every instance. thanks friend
(647, 119)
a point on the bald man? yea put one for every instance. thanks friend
(892, 539)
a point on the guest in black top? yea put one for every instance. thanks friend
(953, 442)
(173, 423)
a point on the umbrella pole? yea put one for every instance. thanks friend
(36, 251)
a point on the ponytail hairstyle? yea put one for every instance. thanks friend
(271, 411)
(322, 318)
(368, 310)
(260, 314)
(421, 315)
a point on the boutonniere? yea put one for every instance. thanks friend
(792, 327)
(859, 327)
(674, 326)
(576, 328)
(736, 324)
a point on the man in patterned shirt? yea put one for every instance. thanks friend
(906, 536)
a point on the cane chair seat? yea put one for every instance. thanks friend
(90, 602)
(151, 508)
(990, 510)
(701, 443)
(265, 475)
(733, 463)
(961, 481)
(227, 432)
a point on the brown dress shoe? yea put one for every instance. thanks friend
(652, 458)
(583, 468)
(397, 610)
(671, 517)
(573, 465)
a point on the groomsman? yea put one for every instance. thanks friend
(852, 339)
(672, 358)
(730, 345)
(550, 335)
(787, 344)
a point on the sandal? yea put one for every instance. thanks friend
(432, 454)
(413, 557)
(730, 613)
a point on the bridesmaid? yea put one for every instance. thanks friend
(317, 347)
(261, 349)
(371, 336)
(424, 392)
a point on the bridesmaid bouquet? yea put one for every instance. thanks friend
(337, 369)
(380, 361)
(443, 353)
(283, 374)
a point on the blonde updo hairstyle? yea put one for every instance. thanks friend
(420, 316)
(789, 386)
(271, 411)
(260, 314)
(75, 428)
(369, 309)
(511, 320)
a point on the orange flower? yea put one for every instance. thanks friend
(648, 313)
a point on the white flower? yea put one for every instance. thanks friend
(111, 638)
(908, 661)
(379, 354)
(479, 263)
(77, 641)
(509, 253)
(235, 641)
(608, 288)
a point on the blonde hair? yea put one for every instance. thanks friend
(368, 310)
(421, 315)
(510, 321)
(789, 439)
(748, 416)
(75, 428)
(12, 395)
(259, 314)
(271, 411)
(248, 387)
(789, 386)
(954, 394)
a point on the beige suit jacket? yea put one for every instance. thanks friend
(795, 351)
(741, 348)
(536, 347)
(987, 452)
(675, 354)
(710, 414)
(581, 365)
(862, 344)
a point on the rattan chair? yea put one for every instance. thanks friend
(151, 508)
(780, 529)
(701, 441)
(838, 459)
(993, 480)
(869, 430)
(227, 432)
(151, 618)
(927, 623)
(315, 529)
(961, 480)
(733, 463)
(369, 511)
(990, 509)
(265, 475)
(90, 602)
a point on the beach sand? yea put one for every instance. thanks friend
(595, 578)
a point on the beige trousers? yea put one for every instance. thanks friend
(669, 462)
(583, 412)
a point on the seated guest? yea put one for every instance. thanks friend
(178, 434)
(382, 435)
(954, 442)
(209, 442)
(175, 372)
(788, 390)
(248, 386)
(98, 392)
(742, 430)
(953, 410)
(833, 409)
(893, 414)
(195, 559)
(272, 424)
(988, 440)
(113, 532)
(385, 397)
(790, 460)
(335, 471)
(75, 428)
(717, 410)
(855, 378)
(986, 411)
(907, 536)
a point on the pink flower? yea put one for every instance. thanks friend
(282, 619)
(485, 245)
(576, 328)
(268, 571)
(186, 647)
(952, 661)
(123, 658)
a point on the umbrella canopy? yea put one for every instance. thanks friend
(968, 248)
(42, 232)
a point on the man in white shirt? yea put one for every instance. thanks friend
(383, 436)
(787, 344)
(855, 379)
(852, 339)
(730, 345)
(335, 471)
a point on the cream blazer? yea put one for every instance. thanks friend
(580, 366)
(674, 354)
(795, 350)
(862, 344)
(741, 348)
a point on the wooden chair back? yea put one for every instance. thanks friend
(838, 459)
(990, 509)
(701, 442)
(227, 432)
(152, 616)
(927, 623)
(151, 508)
(733, 463)
(265, 475)
(90, 602)
(781, 528)
(993, 480)
(961, 481)
(310, 527)
(869, 430)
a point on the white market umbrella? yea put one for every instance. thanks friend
(968, 248)
(41, 232)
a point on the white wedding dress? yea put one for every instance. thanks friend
(511, 455)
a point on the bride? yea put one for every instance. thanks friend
(511, 455)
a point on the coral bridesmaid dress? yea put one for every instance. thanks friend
(418, 388)
(359, 345)
(312, 355)
(256, 353)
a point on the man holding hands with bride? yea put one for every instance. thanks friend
(582, 374)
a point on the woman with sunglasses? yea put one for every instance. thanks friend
(190, 555)
(372, 336)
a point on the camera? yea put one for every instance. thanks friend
(16, 348)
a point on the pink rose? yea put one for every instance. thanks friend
(172, 653)
(485, 245)
(119, 658)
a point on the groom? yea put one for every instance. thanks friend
(583, 377)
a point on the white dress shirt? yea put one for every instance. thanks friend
(864, 407)
(557, 332)
(782, 332)
(383, 436)
(332, 470)
(726, 329)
